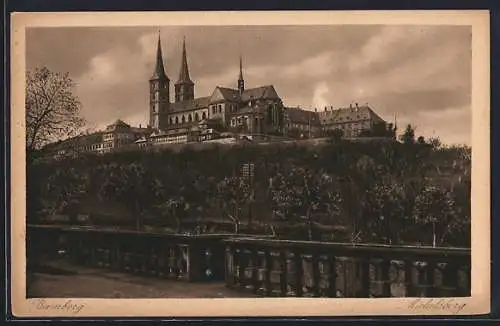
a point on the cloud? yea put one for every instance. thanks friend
(319, 100)
(422, 73)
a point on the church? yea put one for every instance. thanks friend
(227, 115)
(254, 111)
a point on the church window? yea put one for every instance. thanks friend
(190, 118)
(183, 119)
(176, 120)
(197, 116)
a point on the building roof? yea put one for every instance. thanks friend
(260, 93)
(118, 124)
(354, 113)
(229, 93)
(188, 105)
(184, 72)
(298, 115)
(159, 72)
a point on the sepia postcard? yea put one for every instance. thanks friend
(224, 164)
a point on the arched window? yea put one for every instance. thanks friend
(204, 115)
(171, 121)
(183, 119)
(190, 118)
(176, 120)
(196, 116)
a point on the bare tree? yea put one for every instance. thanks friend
(52, 110)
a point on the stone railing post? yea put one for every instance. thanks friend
(331, 264)
(299, 272)
(284, 273)
(409, 282)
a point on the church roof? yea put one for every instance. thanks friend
(187, 105)
(262, 92)
(159, 71)
(229, 93)
(184, 72)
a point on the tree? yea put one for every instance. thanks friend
(234, 193)
(388, 210)
(435, 208)
(52, 110)
(63, 192)
(408, 137)
(299, 193)
(130, 185)
(175, 207)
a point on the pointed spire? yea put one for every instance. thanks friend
(184, 72)
(241, 68)
(241, 81)
(159, 71)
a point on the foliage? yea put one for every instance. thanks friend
(52, 109)
(298, 193)
(346, 183)
(233, 194)
(408, 137)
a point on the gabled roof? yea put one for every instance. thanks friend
(298, 115)
(262, 92)
(197, 103)
(117, 124)
(229, 93)
(355, 113)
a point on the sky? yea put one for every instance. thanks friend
(418, 74)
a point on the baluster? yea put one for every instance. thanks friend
(171, 262)
(284, 271)
(364, 275)
(332, 276)
(430, 271)
(254, 269)
(449, 280)
(268, 268)
(299, 272)
(230, 266)
(243, 261)
(410, 285)
(315, 275)
(382, 277)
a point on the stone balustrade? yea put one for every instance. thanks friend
(322, 269)
(176, 256)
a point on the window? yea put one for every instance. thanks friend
(183, 119)
(190, 118)
(176, 120)
(204, 115)
(171, 121)
(220, 108)
(196, 116)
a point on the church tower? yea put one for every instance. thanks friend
(159, 91)
(184, 87)
(241, 81)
